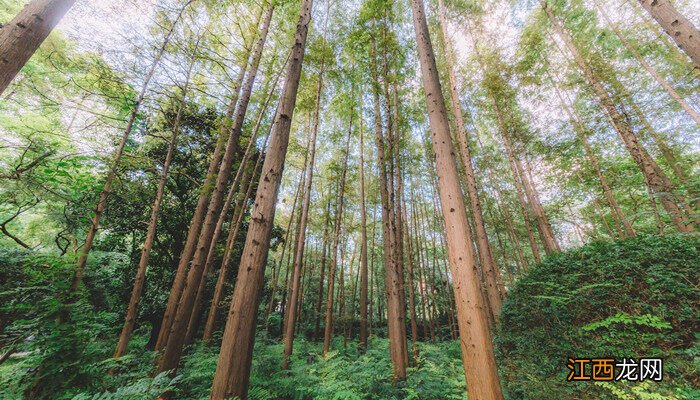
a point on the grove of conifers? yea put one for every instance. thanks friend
(365, 199)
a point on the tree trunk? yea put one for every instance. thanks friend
(328, 327)
(199, 212)
(395, 313)
(494, 285)
(656, 179)
(233, 367)
(363, 245)
(178, 330)
(475, 336)
(22, 36)
(677, 26)
(290, 315)
(236, 222)
(131, 312)
(319, 301)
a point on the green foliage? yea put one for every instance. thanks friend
(632, 298)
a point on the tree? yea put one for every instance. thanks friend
(477, 349)
(233, 366)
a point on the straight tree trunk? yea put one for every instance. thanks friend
(22, 36)
(395, 313)
(131, 312)
(483, 382)
(236, 222)
(319, 301)
(233, 367)
(492, 275)
(291, 315)
(201, 208)
(656, 179)
(178, 330)
(363, 245)
(677, 26)
(328, 327)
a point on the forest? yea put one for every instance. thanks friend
(349, 199)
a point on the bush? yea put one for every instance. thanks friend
(632, 298)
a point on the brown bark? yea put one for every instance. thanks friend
(319, 301)
(494, 285)
(236, 221)
(393, 280)
(290, 314)
(199, 213)
(131, 312)
(233, 367)
(178, 329)
(677, 26)
(656, 179)
(475, 337)
(363, 244)
(551, 245)
(328, 327)
(22, 36)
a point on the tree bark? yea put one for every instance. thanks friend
(363, 245)
(677, 26)
(494, 284)
(131, 312)
(291, 315)
(178, 330)
(200, 210)
(233, 367)
(328, 327)
(22, 36)
(475, 336)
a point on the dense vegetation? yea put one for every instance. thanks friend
(367, 199)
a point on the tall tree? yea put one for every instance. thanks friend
(297, 265)
(233, 366)
(475, 336)
(136, 291)
(492, 275)
(116, 159)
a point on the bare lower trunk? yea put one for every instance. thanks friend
(494, 284)
(475, 336)
(363, 248)
(200, 210)
(22, 36)
(233, 367)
